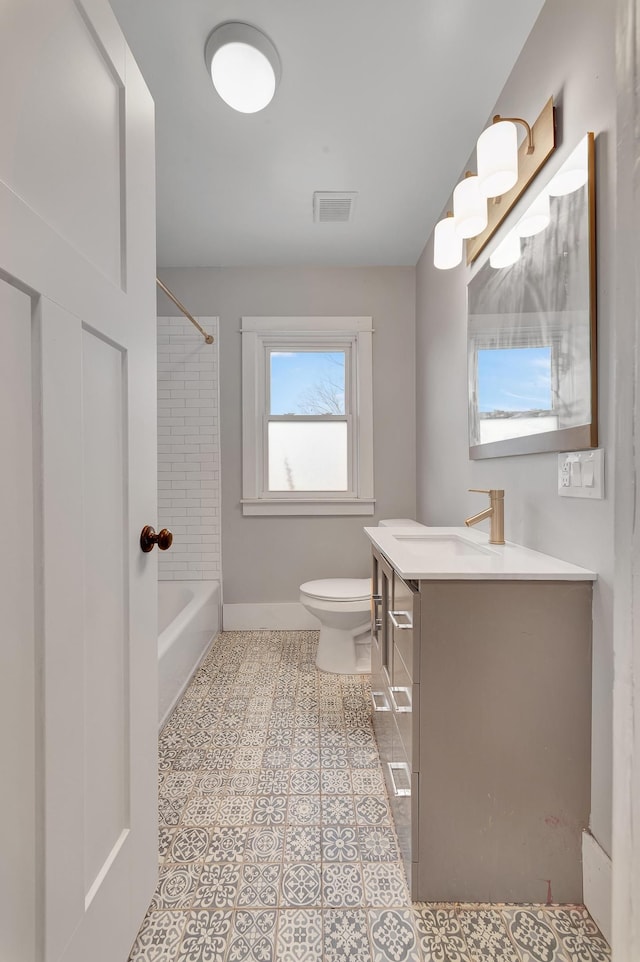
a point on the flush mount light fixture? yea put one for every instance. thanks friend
(244, 66)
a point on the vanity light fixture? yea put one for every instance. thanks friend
(469, 207)
(497, 154)
(244, 66)
(507, 252)
(447, 244)
(505, 175)
(536, 219)
(533, 153)
(572, 175)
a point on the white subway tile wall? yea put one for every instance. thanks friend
(188, 450)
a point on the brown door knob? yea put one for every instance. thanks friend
(148, 538)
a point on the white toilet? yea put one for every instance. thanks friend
(343, 608)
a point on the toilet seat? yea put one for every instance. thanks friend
(338, 589)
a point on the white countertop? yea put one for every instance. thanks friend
(461, 554)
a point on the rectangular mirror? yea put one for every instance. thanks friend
(532, 324)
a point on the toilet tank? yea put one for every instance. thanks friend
(399, 523)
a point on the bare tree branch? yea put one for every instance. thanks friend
(323, 397)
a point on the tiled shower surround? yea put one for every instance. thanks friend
(276, 839)
(188, 450)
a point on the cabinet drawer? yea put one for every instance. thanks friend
(403, 700)
(401, 628)
(404, 620)
(382, 718)
(399, 786)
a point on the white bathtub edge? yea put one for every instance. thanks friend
(185, 642)
(180, 692)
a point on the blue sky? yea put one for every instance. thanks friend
(514, 379)
(294, 375)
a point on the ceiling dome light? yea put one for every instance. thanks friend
(469, 208)
(244, 65)
(506, 253)
(536, 219)
(447, 246)
(497, 155)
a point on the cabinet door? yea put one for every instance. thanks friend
(379, 646)
(385, 635)
(404, 700)
(382, 581)
(376, 618)
(399, 788)
(404, 691)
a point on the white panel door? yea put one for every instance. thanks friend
(78, 649)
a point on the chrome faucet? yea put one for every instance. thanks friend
(495, 511)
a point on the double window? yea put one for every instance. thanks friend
(307, 415)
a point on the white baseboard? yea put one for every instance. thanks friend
(284, 617)
(596, 882)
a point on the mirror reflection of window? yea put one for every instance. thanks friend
(515, 395)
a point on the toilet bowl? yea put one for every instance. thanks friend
(343, 608)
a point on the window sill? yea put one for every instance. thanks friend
(308, 506)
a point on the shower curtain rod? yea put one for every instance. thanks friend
(172, 297)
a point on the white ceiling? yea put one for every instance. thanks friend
(383, 97)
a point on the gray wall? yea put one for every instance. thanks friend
(570, 55)
(266, 559)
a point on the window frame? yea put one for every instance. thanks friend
(261, 336)
(345, 344)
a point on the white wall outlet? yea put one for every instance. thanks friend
(581, 474)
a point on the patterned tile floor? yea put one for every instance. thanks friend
(276, 839)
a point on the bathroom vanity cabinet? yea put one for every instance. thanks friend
(482, 710)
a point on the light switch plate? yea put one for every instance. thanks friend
(581, 474)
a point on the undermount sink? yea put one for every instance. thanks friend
(443, 545)
(421, 553)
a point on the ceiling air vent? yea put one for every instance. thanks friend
(333, 206)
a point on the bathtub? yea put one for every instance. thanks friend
(188, 619)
